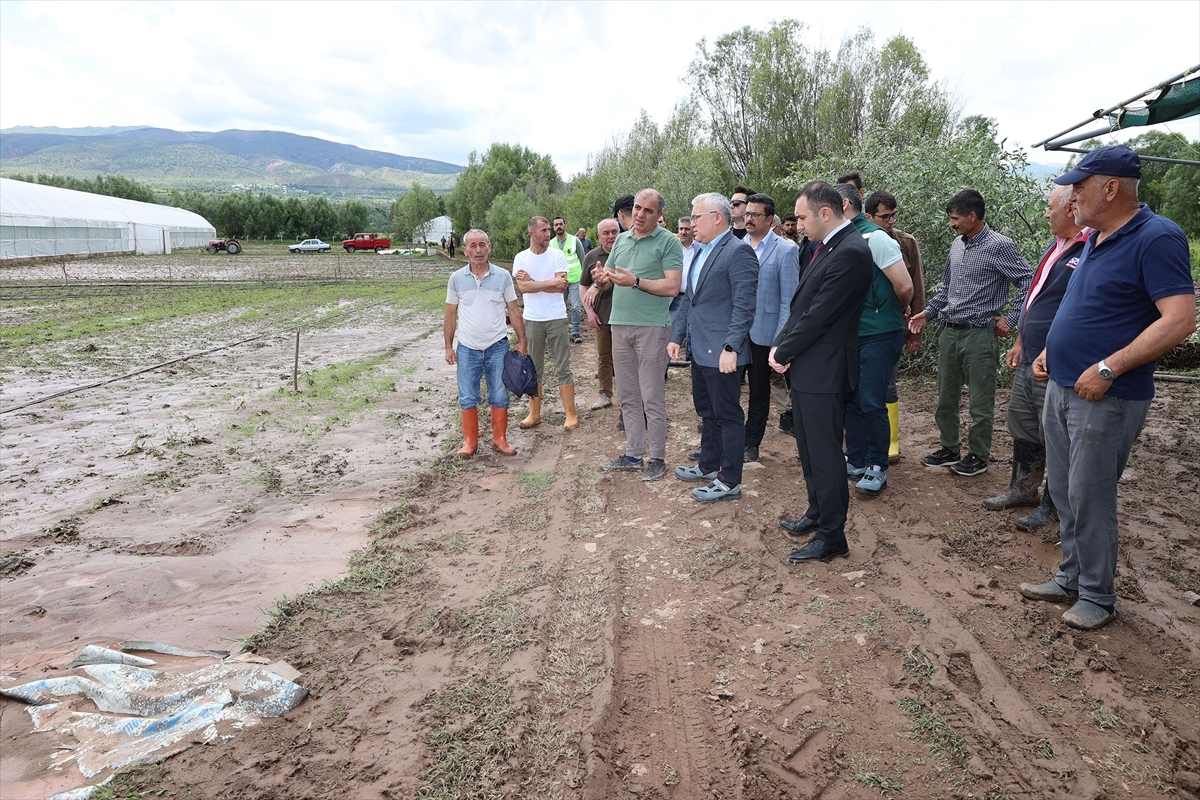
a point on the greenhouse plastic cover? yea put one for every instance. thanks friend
(38, 221)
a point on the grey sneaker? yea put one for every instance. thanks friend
(715, 491)
(694, 473)
(1050, 591)
(655, 469)
(625, 463)
(1087, 616)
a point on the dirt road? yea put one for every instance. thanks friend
(534, 627)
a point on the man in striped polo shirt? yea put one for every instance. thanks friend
(478, 297)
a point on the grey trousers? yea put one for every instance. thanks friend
(640, 363)
(557, 334)
(1087, 447)
(1025, 404)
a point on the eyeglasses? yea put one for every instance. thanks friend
(753, 214)
(737, 203)
(887, 217)
(696, 216)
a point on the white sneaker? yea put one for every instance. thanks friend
(602, 402)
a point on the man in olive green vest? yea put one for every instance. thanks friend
(880, 340)
(573, 250)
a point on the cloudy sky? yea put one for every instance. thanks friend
(438, 80)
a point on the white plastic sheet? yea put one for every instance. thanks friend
(145, 715)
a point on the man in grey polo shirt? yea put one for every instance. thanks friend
(477, 298)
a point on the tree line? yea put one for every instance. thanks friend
(768, 111)
(243, 215)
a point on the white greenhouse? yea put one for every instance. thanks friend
(44, 221)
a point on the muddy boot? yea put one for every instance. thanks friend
(566, 393)
(470, 426)
(1028, 467)
(893, 410)
(500, 432)
(535, 411)
(1040, 517)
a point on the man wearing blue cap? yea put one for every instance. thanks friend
(1129, 301)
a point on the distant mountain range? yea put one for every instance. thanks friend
(218, 161)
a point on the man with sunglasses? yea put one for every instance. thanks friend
(737, 205)
(881, 208)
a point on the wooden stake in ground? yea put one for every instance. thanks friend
(296, 365)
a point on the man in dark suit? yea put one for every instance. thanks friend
(715, 318)
(819, 344)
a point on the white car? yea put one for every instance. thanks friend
(309, 246)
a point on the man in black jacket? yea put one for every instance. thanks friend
(819, 344)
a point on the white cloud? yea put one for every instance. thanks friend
(438, 80)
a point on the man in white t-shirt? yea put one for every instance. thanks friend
(541, 273)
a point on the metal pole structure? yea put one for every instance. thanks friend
(296, 365)
(1142, 157)
(1106, 112)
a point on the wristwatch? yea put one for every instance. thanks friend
(1105, 371)
(637, 282)
(729, 349)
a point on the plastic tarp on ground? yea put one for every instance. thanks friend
(43, 221)
(144, 715)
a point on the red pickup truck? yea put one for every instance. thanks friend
(366, 241)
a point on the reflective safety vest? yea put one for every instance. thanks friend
(570, 249)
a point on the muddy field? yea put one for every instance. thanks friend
(534, 627)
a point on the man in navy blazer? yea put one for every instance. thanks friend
(819, 345)
(716, 319)
(778, 275)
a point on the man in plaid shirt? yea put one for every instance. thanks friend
(980, 269)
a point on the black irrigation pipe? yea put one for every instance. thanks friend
(106, 381)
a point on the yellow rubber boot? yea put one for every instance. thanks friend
(567, 393)
(893, 410)
(535, 411)
(470, 426)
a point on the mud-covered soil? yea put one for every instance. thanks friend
(535, 627)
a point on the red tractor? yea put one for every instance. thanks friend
(231, 246)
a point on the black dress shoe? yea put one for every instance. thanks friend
(751, 454)
(801, 526)
(694, 455)
(819, 550)
(785, 421)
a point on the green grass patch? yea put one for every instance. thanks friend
(933, 729)
(300, 305)
(472, 738)
(535, 483)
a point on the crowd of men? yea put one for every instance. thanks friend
(813, 311)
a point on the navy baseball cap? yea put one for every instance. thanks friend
(1116, 160)
(623, 202)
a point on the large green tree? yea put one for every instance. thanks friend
(410, 216)
(773, 101)
(677, 160)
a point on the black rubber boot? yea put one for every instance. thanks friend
(1029, 466)
(1040, 517)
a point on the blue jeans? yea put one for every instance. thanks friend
(868, 432)
(576, 305)
(476, 364)
(1087, 447)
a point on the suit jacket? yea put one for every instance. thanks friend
(721, 309)
(778, 276)
(820, 338)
